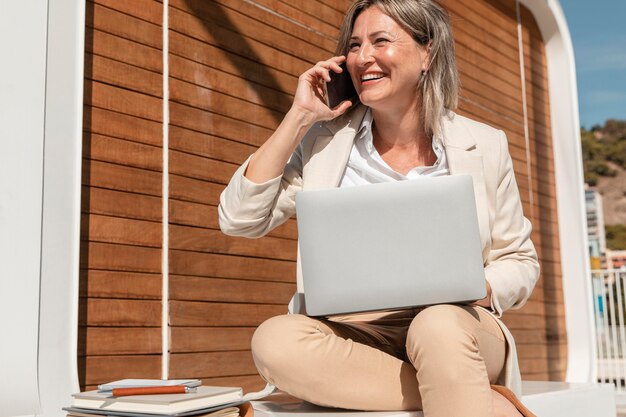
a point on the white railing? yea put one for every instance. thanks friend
(609, 307)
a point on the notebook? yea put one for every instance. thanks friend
(204, 397)
(135, 383)
(390, 246)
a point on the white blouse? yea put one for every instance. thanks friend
(366, 166)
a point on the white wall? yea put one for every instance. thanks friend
(22, 99)
(40, 144)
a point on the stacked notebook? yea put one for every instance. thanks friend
(117, 400)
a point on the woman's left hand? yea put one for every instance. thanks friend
(485, 302)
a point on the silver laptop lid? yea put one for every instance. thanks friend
(390, 245)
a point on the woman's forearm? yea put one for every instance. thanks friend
(270, 159)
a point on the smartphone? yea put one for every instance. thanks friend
(339, 88)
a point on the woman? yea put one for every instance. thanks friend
(442, 359)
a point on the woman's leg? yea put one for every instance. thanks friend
(335, 363)
(457, 351)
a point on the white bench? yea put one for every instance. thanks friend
(549, 399)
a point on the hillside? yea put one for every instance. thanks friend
(604, 158)
(613, 190)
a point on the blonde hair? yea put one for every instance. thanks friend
(429, 25)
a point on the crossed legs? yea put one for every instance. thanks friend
(374, 361)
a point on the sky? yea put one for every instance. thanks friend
(598, 31)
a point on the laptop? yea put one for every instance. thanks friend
(391, 245)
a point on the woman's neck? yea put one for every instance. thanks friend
(401, 140)
(400, 129)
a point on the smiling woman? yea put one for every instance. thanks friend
(388, 68)
(441, 358)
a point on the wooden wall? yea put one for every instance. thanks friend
(233, 66)
(120, 286)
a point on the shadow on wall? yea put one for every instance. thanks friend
(213, 17)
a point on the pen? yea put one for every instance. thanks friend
(176, 389)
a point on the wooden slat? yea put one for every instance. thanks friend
(123, 25)
(226, 266)
(499, 69)
(517, 320)
(471, 36)
(121, 178)
(120, 74)
(485, 14)
(123, 50)
(122, 341)
(207, 77)
(202, 168)
(538, 365)
(147, 10)
(246, 14)
(311, 22)
(118, 125)
(341, 6)
(101, 369)
(231, 106)
(123, 101)
(213, 241)
(122, 152)
(270, 32)
(282, 78)
(210, 339)
(488, 91)
(113, 257)
(530, 336)
(123, 313)
(229, 39)
(197, 191)
(191, 313)
(217, 125)
(331, 15)
(209, 146)
(249, 383)
(117, 284)
(96, 228)
(121, 204)
(212, 364)
(230, 290)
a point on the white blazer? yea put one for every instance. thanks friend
(511, 267)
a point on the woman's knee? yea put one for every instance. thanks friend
(440, 328)
(276, 341)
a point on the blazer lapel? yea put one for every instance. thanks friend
(330, 152)
(464, 158)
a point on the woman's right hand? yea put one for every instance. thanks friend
(309, 107)
(309, 100)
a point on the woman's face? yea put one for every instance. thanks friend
(384, 61)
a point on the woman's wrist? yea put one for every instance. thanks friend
(302, 119)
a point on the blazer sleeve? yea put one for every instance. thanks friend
(511, 267)
(253, 210)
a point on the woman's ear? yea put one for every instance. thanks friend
(426, 61)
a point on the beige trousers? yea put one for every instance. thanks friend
(439, 359)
